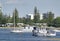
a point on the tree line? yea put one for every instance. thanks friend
(51, 21)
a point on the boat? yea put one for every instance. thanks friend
(27, 29)
(14, 28)
(43, 31)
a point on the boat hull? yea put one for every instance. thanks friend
(43, 33)
(51, 35)
(16, 31)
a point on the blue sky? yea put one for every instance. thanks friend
(27, 6)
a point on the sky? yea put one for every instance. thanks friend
(27, 6)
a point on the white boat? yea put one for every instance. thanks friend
(23, 29)
(44, 32)
(27, 29)
(14, 29)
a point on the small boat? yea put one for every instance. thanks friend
(43, 32)
(23, 29)
(27, 29)
(14, 28)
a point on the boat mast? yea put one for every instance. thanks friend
(14, 20)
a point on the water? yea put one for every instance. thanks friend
(6, 35)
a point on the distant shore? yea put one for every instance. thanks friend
(57, 28)
(9, 27)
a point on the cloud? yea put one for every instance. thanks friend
(12, 1)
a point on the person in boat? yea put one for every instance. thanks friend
(34, 31)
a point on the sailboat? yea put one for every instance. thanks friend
(15, 30)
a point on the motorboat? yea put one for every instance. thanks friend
(43, 32)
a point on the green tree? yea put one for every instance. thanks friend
(4, 19)
(1, 17)
(23, 20)
(9, 19)
(15, 17)
(56, 22)
(36, 15)
(43, 21)
(29, 21)
(50, 18)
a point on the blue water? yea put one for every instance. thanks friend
(6, 35)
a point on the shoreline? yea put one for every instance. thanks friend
(8, 27)
(20, 27)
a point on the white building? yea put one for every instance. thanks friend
(30, 16)
(41, 16)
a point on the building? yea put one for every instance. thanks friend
(41, 16)
(31, 16)
(47, 15)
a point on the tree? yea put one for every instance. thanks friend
(9, 19)
(36, 16)
(15, 17)
(1, 17)
(4, 19)
(43, 21)
(50, 18)
(56, 22)
(29, 21)
(24, 20)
